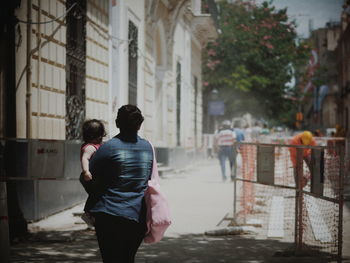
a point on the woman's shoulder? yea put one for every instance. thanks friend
(111, 142)
(115, 141)
(105, 145)
(144, 142)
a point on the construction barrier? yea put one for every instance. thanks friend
(27, 171)
(31, 165)
(4, 228)
(301, 204)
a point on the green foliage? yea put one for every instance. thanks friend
(321, 76)
(242, 80)
(253, 59)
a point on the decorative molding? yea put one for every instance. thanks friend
(97, 101)
(151, 15)
(96, 43)
(203, 28)
(99, 8)
(97, 61)
(48, 115)
(59, 21)
(52, 39)
(201, 25)
(43, 87)
(97, 79)
(48, 61)
(174, 17)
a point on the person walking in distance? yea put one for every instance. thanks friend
(224, 145)
(120, 172)
(239, 138)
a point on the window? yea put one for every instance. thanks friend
(346, 119)
(133, 48)
(75, 69)
(178, 104)
(195, 83)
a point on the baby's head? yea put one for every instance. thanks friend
(93, 131)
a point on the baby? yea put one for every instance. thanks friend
(93, 132)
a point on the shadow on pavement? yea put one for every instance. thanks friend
(81, 246)
(57, 246)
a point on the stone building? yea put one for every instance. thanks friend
(321, 108)
(62, 67)
(343, 66)
(65, 61)
(162, 72)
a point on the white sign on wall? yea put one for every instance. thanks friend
(46, 159)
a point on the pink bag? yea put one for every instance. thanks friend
(158, 213)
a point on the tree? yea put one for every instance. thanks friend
(253, 59)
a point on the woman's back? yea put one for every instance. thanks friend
(120, 172)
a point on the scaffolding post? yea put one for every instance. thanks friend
(234, 176)
(4, 227)
(341, 201)
(234, 199)
(298, 238)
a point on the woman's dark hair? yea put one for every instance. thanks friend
(93, 130)
(129, 118)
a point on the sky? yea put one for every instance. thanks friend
(318, 11)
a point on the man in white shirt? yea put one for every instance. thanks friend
(224, 145)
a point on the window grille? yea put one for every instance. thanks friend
(75, 69)
(133, 48)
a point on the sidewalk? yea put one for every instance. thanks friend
(81, 246)
(198, 199)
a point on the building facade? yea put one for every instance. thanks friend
(330, 103)
(162, 72)
(320, 105)
(65, 61)
(96, 56)
(343, 66)
(62, 67)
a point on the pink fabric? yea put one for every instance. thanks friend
(82, 148)
(158, 213)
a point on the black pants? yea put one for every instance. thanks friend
(118, 237)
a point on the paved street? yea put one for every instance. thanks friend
(267, 81)
(198, 199)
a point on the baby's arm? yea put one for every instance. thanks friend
(87, 153)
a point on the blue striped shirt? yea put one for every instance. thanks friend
(120, 172)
